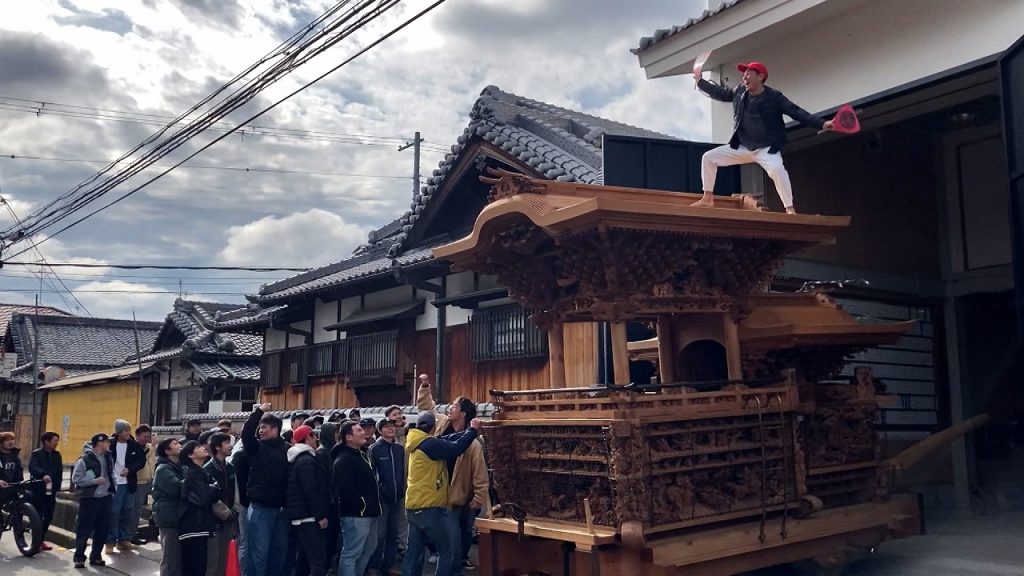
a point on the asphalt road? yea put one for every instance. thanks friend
(58, 561)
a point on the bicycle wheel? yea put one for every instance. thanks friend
(27, 528)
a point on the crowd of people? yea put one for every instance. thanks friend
(346, 495)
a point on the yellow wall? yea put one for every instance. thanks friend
(90, 409)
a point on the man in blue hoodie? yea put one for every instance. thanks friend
(388, 459)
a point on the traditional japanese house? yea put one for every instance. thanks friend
(66, 347)
(195, 369)
(357, 331)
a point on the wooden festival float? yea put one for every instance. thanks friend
(745, 451)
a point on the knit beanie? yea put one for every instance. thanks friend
(121, 426)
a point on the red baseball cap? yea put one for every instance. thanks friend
(301, 433)
(756, 67)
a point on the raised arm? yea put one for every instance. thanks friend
(249, 440)
(716, 92)
(424, 395)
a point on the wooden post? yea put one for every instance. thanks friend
(620, 353)
(556, 355)
(589, 515)
(732, 347)
(666, 350)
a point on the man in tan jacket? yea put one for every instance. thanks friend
(468, 494)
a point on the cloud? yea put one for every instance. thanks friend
(159, 57)
(311, 238)
(119, 299)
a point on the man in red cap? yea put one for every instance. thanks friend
(759, 133)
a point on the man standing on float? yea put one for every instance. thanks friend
(759, 132)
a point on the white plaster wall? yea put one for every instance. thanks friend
(389, 297)
(428, 320)
(274, 339)
(325, 314)
(457, 316)
(459, 283)
(295, 340)
(875, 46)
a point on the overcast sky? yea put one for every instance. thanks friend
(158, 57)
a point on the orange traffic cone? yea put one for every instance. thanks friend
(233, 568)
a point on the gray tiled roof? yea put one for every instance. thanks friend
(557, 143)
(235, 369)
(659, 35)
(8, 310)
(81, 342)
(376, 263)
(196, 321)
(560, 144)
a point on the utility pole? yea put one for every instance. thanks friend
(415, 145)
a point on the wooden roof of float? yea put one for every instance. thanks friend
(777, 321)
(579, 252)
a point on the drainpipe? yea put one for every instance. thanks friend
(442, 320)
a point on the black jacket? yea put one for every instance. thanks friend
(46, 463)
(240, 462)
(224, 476)
(10, 471)
(355, 483)
(198, 493)
(388, 459)
(323, 452)
(773, 104)
(10, 466)
(308, 493)
(268, 465)
(134, 459)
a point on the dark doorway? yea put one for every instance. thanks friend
(703, 360)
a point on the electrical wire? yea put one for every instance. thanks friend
(256, 170)
(382, 7)
(270, 131)
(283, 53)
(32, 290)
(160, 266)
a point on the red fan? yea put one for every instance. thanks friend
(845, 121)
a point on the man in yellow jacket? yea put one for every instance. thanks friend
(469, 492)
(427, 494)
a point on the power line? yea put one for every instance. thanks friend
(166, 281)
(287, 56)
(380, 10)
(159, 266)
(42, 258)
(210, 167)
(102, 276)
(46, 108)
(32, 290)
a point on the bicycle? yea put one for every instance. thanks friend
(18, 515)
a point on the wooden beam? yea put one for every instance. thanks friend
(732, 347)
(620, 353)
(556, 355)
(666, 352)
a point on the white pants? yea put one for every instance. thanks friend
(726, 156)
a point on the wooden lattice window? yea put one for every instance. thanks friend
(373, 354)
(505, 333)
(270, 370)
